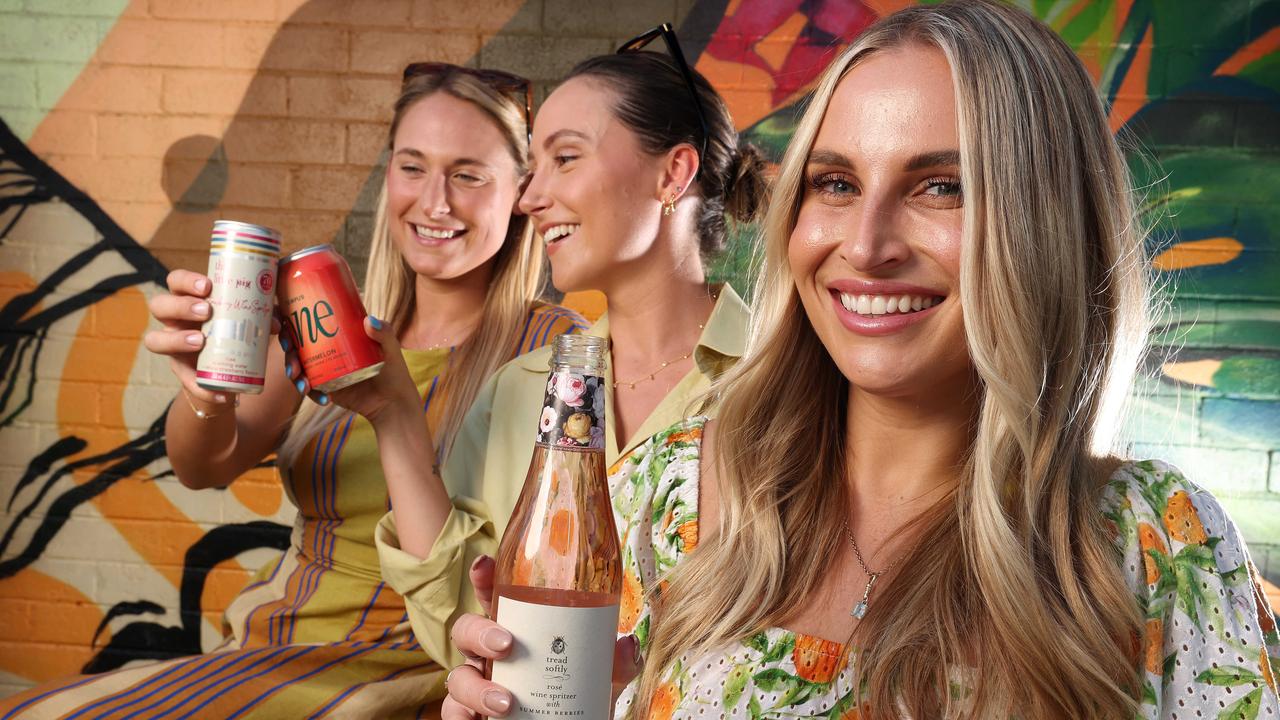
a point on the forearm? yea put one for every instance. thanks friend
(419, 502)
(200, 450)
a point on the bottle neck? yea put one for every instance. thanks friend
(573, 409)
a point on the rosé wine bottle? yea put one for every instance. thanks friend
(559, 571)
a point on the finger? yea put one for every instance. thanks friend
(171, 309)
(480, 638)
(186, 282)
(187, 376)
(451, 709)
(173, 342)
(381, 332)
(275, 325)
(627, 662)
(482, 571)
(468, 688)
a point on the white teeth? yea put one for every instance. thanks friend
(886, 304)
(428, 233)
(559, 231)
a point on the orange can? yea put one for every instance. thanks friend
(325, 319)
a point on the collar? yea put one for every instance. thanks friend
(723, 339)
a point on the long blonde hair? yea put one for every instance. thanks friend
(516, 282)
(1013, 575)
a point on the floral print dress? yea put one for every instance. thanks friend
(1211, 645)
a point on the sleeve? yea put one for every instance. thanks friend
(463, 469)
(1210, 645)
(437, 590)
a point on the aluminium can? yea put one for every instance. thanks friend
(242, 271)
(325, 319)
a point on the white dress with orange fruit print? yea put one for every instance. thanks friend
(1211, 642)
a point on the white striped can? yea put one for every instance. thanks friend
(242, 268)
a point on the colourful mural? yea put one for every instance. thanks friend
(126, 144)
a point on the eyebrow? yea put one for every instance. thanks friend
(933, 159)
(411, 152)
(553, 137)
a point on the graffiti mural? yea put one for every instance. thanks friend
(118, 175)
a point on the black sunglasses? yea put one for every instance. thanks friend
(496, 79)
(668, 36)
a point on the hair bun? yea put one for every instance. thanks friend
(746, 186)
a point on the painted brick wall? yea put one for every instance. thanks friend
(133, 124)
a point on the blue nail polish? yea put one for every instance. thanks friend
(284, 343)
(301, 385)
(323, 399)
(287, 372)
(375, 322)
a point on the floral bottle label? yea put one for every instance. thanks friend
(572, 411)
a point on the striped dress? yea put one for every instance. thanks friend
(317, 633)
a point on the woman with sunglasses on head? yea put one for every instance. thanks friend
(452, 285)
(636, 170)
(907, 506)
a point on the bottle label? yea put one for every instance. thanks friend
(572, 411)
(561, 664)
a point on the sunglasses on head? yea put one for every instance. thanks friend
(668, 36)
(498, 80)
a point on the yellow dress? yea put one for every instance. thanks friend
(318, 632)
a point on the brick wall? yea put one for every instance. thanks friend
(136, 123)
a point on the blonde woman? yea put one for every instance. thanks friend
(452, 285)
(905, 507)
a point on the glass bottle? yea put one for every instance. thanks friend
(558, 576)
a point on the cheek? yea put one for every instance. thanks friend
(811, 242)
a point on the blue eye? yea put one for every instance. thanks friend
(832, 185)
(943, 187)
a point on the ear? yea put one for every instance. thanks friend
(680, 167)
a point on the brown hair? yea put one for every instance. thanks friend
(653, 101)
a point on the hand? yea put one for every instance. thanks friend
(481, 639)
(181, 314)
(387, 396)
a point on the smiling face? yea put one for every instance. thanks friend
(875, 251)
(452, 184)
(593, 192)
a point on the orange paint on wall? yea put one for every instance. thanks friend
(887, 7)
(123, 317)
(53, 632)
(1256, 50)
(224, 581)
(259, 490)
(1132, 94)
(1194, 253)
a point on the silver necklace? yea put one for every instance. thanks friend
(860, 609)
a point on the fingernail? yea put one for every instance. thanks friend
(495, 639)
(495, 701)
(288, 371)
(301, 385)
(375, 322)
(284, 343)
(201, 284)
(195, 339)
(323, 399)
(475, 564)
(636, 657)
(200, 309)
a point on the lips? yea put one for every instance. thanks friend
(428, 235)
(876, 309)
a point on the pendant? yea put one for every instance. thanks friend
(861, 608)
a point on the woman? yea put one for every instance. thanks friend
(454, 273)
(636, 166)
(899, 509)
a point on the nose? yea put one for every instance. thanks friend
(877, 238)
(435, 196)
(534, 199)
